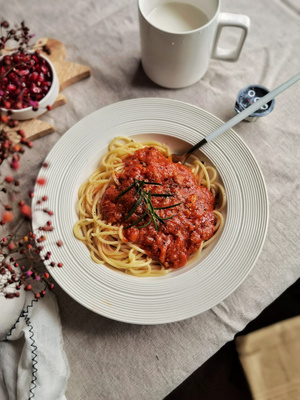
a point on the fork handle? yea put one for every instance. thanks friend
(254, 107)
(196, 147)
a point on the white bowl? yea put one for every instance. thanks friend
(48, 100)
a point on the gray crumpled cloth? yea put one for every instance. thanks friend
(110, 360)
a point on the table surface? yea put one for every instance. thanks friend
(113, 360)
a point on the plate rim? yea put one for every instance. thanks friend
(196, 109)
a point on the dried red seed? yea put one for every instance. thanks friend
(15, 165)
(13, 123)
(9, 179)
(41, 181)
(21, 132)
(11, 246)
(26, 211)
(7, 216)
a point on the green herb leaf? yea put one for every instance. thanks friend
(125, 191)
(145, 196)
(162, 195)
(152, 183)
(134, 207)
(164, 208)
(138, 220)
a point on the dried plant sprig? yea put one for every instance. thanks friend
(21, 255)
(18, 35)
(23, 252)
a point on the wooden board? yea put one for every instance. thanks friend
(68, 73)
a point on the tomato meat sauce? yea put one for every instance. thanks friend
(173, 240)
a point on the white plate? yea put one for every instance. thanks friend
(192, 289)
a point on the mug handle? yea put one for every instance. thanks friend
(236, 21)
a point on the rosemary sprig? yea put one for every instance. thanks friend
(145, 197)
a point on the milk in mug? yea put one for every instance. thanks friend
(177, 17)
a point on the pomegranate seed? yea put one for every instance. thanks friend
(7, 60)
(34, 76)
(16, 58)
(11, 87)
(18, 105)
(41, 78)
(24, 72)
(16, 89)
(13, 77)
(35, 89)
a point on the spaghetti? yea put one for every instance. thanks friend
(183, 219)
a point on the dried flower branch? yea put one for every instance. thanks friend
(21, 255)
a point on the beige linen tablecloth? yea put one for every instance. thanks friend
(113, 360)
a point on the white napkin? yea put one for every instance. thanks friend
(32, 360)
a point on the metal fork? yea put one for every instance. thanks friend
(237, 118)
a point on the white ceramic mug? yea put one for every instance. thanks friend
(178, 38)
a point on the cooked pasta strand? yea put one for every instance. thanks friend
(105, 242)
